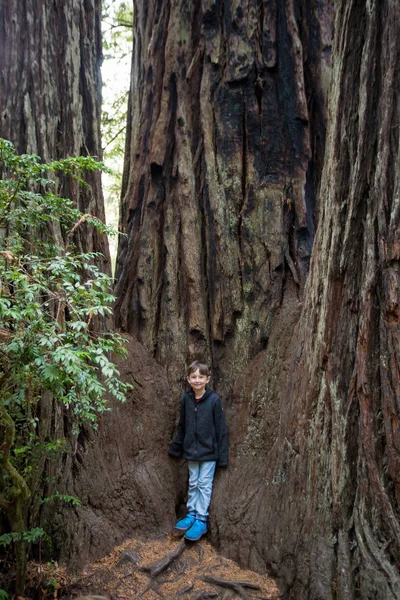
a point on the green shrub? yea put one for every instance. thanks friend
(50, 297)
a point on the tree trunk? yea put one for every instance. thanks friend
(50, 93)
(50, 55)
(326, 496)
(222, 195)
(225, 145)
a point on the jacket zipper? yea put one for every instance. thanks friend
(195, 410)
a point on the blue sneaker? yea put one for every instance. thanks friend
(198, 529)
(185, 523)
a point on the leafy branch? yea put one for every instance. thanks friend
(49, 298)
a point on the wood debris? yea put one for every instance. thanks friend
(168, 568)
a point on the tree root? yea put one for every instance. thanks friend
(205, 595)
(236, 586)
(185, 590)
(153, 586)
(158, 567)
(155, 569)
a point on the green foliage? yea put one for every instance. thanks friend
(117, 21)
(49, 296)
(117, 28)
(63, 498)
(3, 595)
(30, 536)
(54, 302)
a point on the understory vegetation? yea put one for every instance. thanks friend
(55, 343)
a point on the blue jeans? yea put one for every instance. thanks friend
(201, 476)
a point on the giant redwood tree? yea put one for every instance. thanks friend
(224, 153)
(223, 191)
(230, 188)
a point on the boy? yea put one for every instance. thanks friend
(202, 438)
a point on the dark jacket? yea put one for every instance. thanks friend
(202, 434)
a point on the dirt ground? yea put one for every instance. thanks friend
(130, 572)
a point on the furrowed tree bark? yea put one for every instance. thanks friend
(50, 95)
(226, 137)
(222, 194)
(326, 496)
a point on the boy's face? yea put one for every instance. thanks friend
(198, 382)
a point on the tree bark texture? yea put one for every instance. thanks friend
(219, 206)
(50, 94)
(323, 505)
(121, 473)
(50, 91)
(224, 153)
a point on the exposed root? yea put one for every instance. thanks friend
(158, 567)
(185, 590)
(171, 570)
(152, 585)
(205, 595)
(236, 586)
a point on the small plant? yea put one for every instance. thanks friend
(30, 536)
(50, 297)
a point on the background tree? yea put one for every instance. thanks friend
(50, 92)
(50, 55)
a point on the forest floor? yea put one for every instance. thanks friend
(168, 568)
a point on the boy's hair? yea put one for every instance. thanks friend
(202, 367)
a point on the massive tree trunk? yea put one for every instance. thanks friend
(326, 495)
(225, 146)
(225, 153)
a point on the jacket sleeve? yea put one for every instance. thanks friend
(176, 446)
(222, 433)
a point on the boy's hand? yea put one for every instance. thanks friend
(174, 450)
